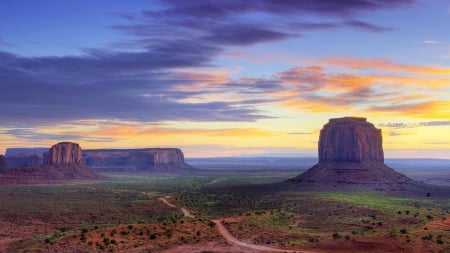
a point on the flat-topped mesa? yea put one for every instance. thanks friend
(350, 139)
(62, 162)
(64, 153)
(147, 159)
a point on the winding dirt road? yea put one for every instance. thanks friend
(185, 211)
(165, 201)
(226, 234)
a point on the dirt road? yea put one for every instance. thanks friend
(165, 201)
(224, 232)
(186, 212)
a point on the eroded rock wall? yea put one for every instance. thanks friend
(64, 153)
(2, 161)
(350, 139)
(151, 159)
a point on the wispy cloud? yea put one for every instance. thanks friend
(437, 143)
(430, 42)
(386, 65)
(367, 26)
(417, 124)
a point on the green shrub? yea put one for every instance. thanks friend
(336, 235)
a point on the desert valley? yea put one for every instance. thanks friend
(67, 199)
(225, 126)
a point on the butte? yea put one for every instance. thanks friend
(351, 158)
(62, 162)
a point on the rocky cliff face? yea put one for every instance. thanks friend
(350, 139)
(2, 161)
(19, 157)
(151, 159)
(64, 153)
(351, 156)
(62, 162)
(39, 151)
(23, 160)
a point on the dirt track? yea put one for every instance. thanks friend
(224, 232)
(165, 201)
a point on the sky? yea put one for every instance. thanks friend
(224, 78)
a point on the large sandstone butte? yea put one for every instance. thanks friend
(63, 161)
(351, 156)
(64, 153)
(350, 139)
(140, 160)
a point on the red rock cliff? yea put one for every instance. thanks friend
(351, 157)
(150, 159)
(64, 153)
(350, 139)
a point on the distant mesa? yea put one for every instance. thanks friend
(136, 160)
(62, 162)
(19, 157)
(351, 156)
(101, 160)
(2, 161)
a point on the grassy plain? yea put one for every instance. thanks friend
(123, 214)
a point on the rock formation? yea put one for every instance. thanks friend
(19, 157)
(64, 153)
(23, 160)
(350, 139)
(2, 161)
(25, 151)
(351, 156)
(62, 162)
(150, 159)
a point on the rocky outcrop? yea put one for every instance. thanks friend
(39, 151)
(23, 160)
(64, 153)
(150, 159)
(350, 139)
(351, 156)
(2, 161)
(62, 162)
(19, 157)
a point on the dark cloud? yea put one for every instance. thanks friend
(243, 35)
(306, 26)
(361, 25)
(127, 86)
(221, 9)
(367, 26)
(227, 22)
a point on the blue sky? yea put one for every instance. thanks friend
(224, 77)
